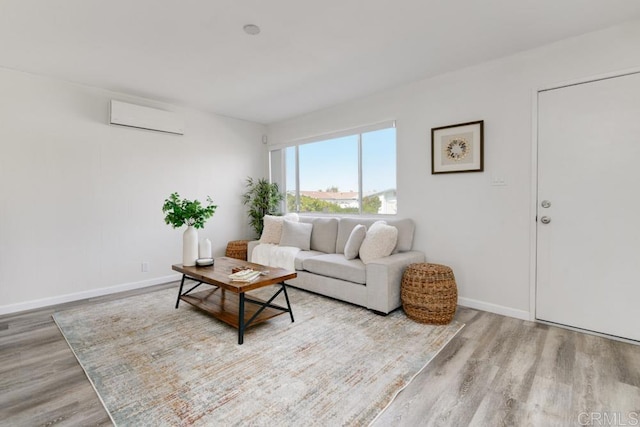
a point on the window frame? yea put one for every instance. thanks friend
(296, 143)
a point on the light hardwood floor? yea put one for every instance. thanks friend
(498, 371)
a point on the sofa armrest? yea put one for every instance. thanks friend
(252, 244)
(384, 277)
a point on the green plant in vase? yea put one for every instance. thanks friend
(193, 214)
(262, 198)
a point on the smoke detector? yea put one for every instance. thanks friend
(251, 29)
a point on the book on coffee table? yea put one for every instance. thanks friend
(244, 275)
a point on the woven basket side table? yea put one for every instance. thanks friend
(429, 293)
(237, 249)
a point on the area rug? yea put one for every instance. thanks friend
(338, 364)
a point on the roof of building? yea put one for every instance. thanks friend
(330, 195)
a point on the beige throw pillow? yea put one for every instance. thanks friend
(352, 248)
(272, 230)
(379, 242)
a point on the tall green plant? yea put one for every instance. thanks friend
(262, 198)
(181, 212)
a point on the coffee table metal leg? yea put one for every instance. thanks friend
(241, 319)
(286, 296)
(180, 291)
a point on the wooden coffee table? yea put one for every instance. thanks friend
(227, 300)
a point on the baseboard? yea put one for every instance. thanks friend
(92, 293)
(494, 308)
(61, 299)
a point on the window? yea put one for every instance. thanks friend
(347, 173)
(378, 179)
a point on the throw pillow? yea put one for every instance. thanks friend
(296, 234)
(379, 242)
(323, 237)
(272, 230)
(352, 248)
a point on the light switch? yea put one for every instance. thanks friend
(498, 180)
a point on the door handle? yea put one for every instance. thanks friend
(545, 220)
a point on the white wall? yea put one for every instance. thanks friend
(80, 200)
(481, 231)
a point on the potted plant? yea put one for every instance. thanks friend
(191, 213)
(262, 198)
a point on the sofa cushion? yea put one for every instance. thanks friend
(345, 227)
(352, 247)
(272, 230)
(406, 229)
(303, 255)
(337, 266)
(379, 242)
(405, 226)
(323, 235)
(296, 234)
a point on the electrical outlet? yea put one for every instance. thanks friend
(145, 267)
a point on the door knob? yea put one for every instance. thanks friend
(545, 220)
(546, 204)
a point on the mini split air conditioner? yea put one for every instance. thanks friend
(137, 116)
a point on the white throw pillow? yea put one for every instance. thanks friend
(352, 248)
(296, 234)
(272, 230)
(379, 241)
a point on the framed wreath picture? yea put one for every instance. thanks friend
(458, 148)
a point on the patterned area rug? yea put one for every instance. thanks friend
(338, 364)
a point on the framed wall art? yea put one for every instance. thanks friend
(458, 148)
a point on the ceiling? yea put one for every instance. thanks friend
(309, 55)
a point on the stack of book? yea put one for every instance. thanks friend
(244, 275)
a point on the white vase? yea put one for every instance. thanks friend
(205, 248)
(189, 247)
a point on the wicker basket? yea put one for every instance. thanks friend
(429, 293)
(237, 249)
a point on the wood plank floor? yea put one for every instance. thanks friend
(498, 371)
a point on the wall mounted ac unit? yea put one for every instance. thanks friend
(137, 116)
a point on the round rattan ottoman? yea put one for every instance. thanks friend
(237, 249)
(429, 293)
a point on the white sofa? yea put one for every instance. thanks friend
(324, 269)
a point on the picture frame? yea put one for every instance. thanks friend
(458, 148)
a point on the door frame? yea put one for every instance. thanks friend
(533, 200)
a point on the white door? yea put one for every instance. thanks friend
(588, 260)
